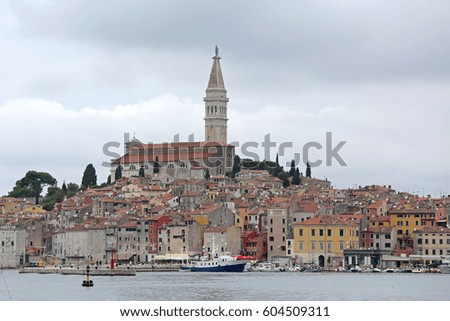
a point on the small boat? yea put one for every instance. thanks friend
(216, 263)
(376, 270)
(445, 266)
(389, 271)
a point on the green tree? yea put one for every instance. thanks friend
(54, 195)
(277, 166)
(308, 170)
(32, 185)
(72, 189)
(296, 177)
(118, 173)
(108, 181)
(207, 175)
(64, 188)
(156, 166)
(292, 170)
(285, 182)
(89, 177)
(236, 166)
(142, 171)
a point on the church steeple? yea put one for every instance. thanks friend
(216, 104)
(216, 78)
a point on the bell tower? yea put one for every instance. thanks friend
(216, 105)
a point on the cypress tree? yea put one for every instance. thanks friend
(296, 177)
(118, 173)
(207, 175)
(64, 188)
(156, 166)
(308, 170)
(89, 176)
(292, 170)
(141, 171)
(285, 182)
(236, 166)
(276, 170)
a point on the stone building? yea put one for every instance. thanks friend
(12, 246)
(188, 160)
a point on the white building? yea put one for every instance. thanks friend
(12, 246)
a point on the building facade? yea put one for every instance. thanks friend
(188, 160)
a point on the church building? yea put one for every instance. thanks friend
(186, 159)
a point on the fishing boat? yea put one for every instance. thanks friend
(216, 263)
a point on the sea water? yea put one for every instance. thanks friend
(247, 286)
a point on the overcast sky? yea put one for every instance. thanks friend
(78, 74)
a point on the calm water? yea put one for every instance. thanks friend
(257, 286)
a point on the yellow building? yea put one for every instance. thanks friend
(35, 209)
(406, 222)
(241, 217)
(322, 239)
(8, 207)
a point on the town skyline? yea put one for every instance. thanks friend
(383, 88)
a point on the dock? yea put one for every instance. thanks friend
(79, 271)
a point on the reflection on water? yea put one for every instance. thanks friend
(228, 286)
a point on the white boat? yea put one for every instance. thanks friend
(445, 266)
(216, 263)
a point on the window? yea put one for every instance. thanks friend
(271, 239)
(320, 232)
(419, 241)
(321, 247)
(313, 232)
(132, 167)
(300, 232)
(387, 245)
(329, 246)
(329, 232)
(341, 246)
(341, 232)
(313, 246)
(300, 246)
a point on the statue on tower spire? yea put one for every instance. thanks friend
(217, 52)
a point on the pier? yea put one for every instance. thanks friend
(79, 271)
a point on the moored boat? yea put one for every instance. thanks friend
(445, 267)
(216, 263)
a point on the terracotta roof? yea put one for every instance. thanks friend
(433, 229)
(327, 220)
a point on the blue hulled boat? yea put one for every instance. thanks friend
(216, 263)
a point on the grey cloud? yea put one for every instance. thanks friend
(343, 41)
